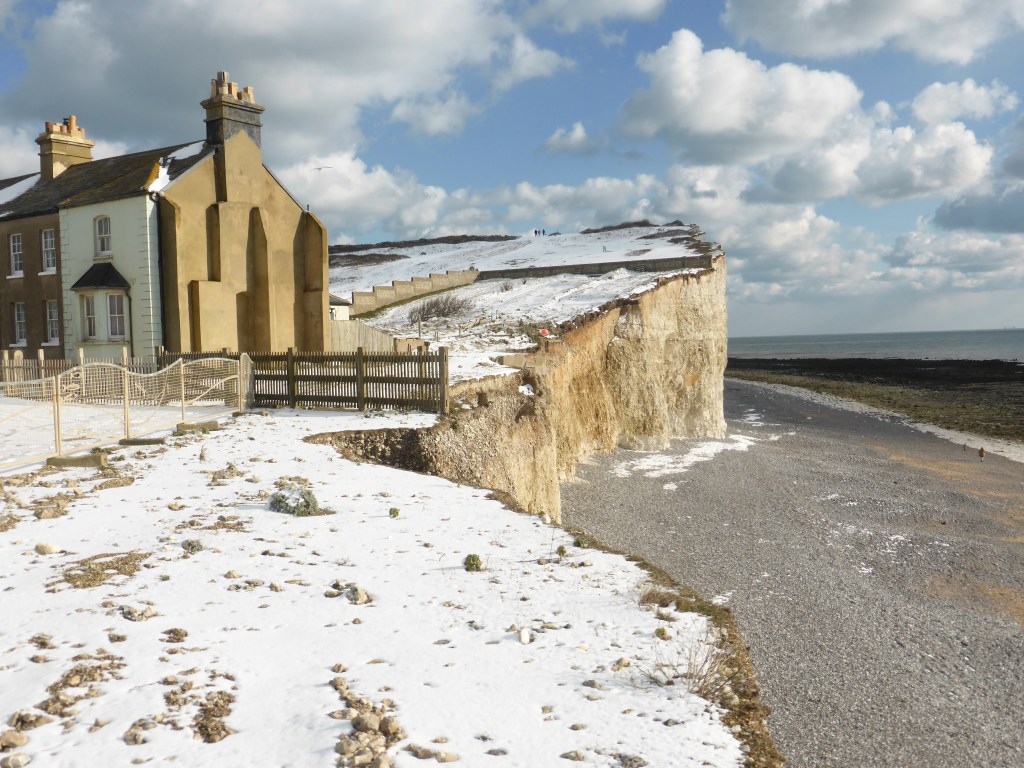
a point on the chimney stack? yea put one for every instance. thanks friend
(62, 145)
(231, 110)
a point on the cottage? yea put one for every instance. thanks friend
(195, 246)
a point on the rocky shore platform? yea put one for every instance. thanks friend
(981, 397)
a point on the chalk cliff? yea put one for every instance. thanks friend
(636, 374)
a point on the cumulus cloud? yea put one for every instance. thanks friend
(353, 197)
(570, 15)
(966, 261)
(998, 211)
(720, 106)
(904, 163)
(933, 30)
(946, 102)
(18, 151)
(432, 117)
(145, 54)
(573, 141)
(526, 61)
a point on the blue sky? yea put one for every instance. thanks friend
(862, 163)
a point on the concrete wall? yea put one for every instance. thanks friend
(601, 268)
(365, 302)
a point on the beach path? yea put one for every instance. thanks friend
(876, 571)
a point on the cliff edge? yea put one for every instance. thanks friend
(636, 373)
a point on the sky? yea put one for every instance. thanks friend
(862, 164)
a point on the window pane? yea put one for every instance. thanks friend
(49, 250)
(52, 321)
(115, 305)
(103, 236)
(17, 263)
(89, 315)
(19, 323)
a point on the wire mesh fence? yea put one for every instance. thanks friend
(96, 404)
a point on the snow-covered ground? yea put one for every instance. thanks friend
(170, 602)
(528, 251)
(498, 312)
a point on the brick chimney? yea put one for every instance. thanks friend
(62, 145)
(231, 110)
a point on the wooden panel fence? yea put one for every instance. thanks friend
(362, 380)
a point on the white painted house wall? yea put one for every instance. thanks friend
(135, 254)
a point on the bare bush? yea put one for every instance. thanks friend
(446, 305)
(702, 667)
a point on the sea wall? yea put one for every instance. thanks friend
(636, 373)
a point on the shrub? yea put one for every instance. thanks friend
(446, 305)
(661, 633)
(562, 551)
(473, 563)
(507, 286)
(580, 542)
(393, 512)
(298, 501)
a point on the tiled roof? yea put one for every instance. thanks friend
(102, 275)
(96, 181)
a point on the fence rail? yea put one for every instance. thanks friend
(416, 380)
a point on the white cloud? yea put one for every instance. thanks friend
(352, 197)
(940, 159)
(573, 141)
(18, 151)
(931, 261)
(433, 117)
(946, 102)
(526, 61)
(934, 30)
(570, 15)
(352, 57)
(720, 106)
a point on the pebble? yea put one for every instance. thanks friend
(12, 740)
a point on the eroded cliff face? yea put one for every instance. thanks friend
(637, 374)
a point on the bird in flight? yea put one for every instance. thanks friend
(322, 167)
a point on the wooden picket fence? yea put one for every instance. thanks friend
(361, 380)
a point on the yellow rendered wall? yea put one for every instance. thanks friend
(250, 271)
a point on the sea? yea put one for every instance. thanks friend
(1002, 344)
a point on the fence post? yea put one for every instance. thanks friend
(41, 362)
(124, 381)
(421, 373)
(238, 372)
(442, 400)
(181, 378)
(360, 379)
(56, 416)
(3, 372)
(81, 355)
(290, 363)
